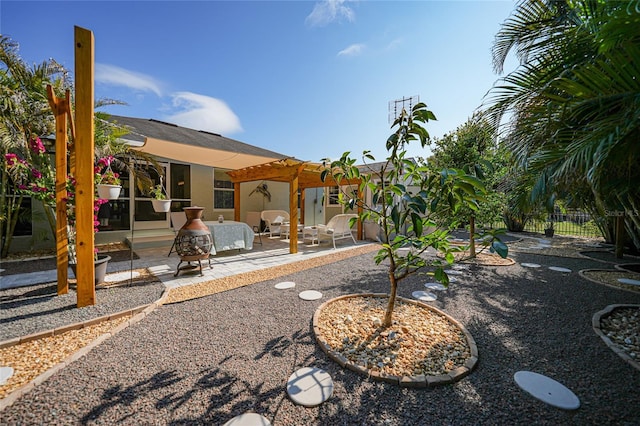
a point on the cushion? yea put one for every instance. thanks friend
(278, 219)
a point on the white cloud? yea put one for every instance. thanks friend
(353, 50)
(116, 76)
(201, 112)
(328, 11)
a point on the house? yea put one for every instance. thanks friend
(195, 167)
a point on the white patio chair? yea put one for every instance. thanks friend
(273, 219)
(336, 229)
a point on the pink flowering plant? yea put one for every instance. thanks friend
(36, 179)
(103, 173)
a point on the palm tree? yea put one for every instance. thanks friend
(24, 113)
(574, 101)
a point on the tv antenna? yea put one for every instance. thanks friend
(396, 107)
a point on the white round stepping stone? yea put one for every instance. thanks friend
(530, 265)
(310, 386)
(560, 269)
(435, 286)
(547, 390)
(248, 419)
(453, 280)
(460, 267)
(310, 295)
(629, 281)
(545, 242)
(453, 272)
(5, 374)
(285, 284)
(424, 296)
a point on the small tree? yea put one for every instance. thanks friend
(405, 200)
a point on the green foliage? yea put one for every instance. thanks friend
(405, 198)
(573, 102)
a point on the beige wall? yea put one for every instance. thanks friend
(202, 190)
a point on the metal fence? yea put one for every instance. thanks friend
(572, 222)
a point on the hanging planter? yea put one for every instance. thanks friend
(108, 192)
(161, 206)
(108, 181)
(160, 202)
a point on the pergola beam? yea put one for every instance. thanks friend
(299, 174)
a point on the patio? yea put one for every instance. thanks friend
(206, 360)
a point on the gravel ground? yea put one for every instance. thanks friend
(206, 360)
(28, 310)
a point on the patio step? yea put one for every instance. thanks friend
(151, 239)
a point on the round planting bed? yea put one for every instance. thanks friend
(423, 347)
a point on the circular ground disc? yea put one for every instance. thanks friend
(453, 272)
(5, 374)
(424, 296)
(310, 295)
(310, 386)
(248, 419)
(530, 265)
(547, 390)
(285, 284)
(629, 281)
(560, 269)
(435, 286)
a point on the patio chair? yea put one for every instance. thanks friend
(178, 219)
(336, 229)
(273, 219)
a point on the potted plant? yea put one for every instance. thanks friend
(548, 228)
(108, 182)
(159, 200)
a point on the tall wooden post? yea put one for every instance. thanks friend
(236, 201)
(293, 213)
(61, 109)
(84, 152)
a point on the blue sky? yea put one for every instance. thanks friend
(309, 79)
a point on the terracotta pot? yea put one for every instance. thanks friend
(193, 241)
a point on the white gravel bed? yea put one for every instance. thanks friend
(207, 360)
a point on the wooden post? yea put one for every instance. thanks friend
(61, 108)
(293, 214)
(84, 150)
(236, 201)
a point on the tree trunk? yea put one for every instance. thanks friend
(393, 291)
(472, 240)
(620, 233)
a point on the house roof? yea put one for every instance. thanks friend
(171, 141)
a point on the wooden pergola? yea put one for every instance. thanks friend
(300, 175)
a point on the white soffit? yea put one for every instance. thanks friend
(201, 155)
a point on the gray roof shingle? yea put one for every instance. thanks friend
(156, 129)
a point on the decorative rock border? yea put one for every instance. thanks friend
(419, 381)
(595, 322)
(623, 267)
(137, 314)
(583, 274)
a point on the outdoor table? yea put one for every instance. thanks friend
(230, 235)
(285, 229)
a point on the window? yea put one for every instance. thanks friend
(180, 186)
(222, 190)
(334, 193)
